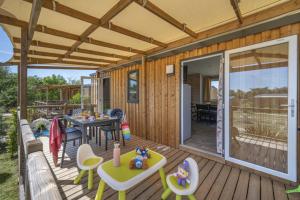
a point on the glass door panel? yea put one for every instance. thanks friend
(260, 106)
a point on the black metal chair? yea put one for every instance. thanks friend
(71, 134)
(110, 128)
(202, 111)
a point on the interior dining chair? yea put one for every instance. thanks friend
(87, 161)
(180, 190)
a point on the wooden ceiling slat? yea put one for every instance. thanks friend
(99, 22)
(34, 16)
(34, 60)
(41, 53)
(43, 29)
(166, 17)
(79, 50)
(236, 8)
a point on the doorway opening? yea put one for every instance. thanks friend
(202, 113)
(106, 94)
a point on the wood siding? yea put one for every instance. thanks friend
(157, 115)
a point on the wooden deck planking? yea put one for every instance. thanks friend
(217, 181)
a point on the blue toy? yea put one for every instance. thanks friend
(138, 162)
(144, 152)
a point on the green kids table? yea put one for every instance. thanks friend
(122, 178)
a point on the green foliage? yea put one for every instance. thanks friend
(54, 80)
(8, 177)
(76, 99)
(8, 89)
(12, 134)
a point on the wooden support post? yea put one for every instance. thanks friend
(144, 114)
(23, 74)
(19, 72)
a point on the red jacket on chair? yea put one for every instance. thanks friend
(56, 138)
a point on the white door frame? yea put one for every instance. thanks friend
(181, 86)
(292, 99)
(101, 91)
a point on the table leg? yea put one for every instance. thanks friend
(84, 134)
(122, 195)
(100, 190)
(163, 178)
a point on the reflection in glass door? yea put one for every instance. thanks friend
(260, 96)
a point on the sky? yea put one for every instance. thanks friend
(6, 52)
(272, 78)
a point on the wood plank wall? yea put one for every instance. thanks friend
(157, 115)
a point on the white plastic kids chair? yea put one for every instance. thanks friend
(87, 160)
(180, 190)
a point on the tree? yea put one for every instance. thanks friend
(76, 98)
(8, 89)
(54, 80)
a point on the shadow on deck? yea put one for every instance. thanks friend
(217, 181)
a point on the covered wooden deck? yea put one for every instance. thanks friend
(217, 181)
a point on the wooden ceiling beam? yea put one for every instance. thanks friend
(57, 55)
(71, 36)
(165, 16)
(33, 60)
(34, 16)
(66, 48)
(102, 22)
(35, 66)
(236, 8)
(9, 63)
(114, 11)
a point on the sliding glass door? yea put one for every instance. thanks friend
(261, 108)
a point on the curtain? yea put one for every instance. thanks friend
(220, 110)
(206, 89)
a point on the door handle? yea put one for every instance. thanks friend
(292, 106)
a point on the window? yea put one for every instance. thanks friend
(214, 85)
(133, 87)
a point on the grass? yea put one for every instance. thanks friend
(8, 175)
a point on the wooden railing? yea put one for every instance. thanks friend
(49, 111)
(35, 176)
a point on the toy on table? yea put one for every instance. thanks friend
(138, 162)
(141, 160)
(144, 152)
(183, 174)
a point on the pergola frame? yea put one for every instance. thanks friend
(28, 29)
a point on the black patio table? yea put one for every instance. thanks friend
(83, 124)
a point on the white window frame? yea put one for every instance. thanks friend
(292, 96)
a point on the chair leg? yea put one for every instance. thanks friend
(191, 197)
(74, 143)
(100, 190)
(123, 139)
(106, 139)
(99, 136)
(90, 179)
(166, 194)
(63, 154)
(96, 132)
(79, 177)
(178, 197)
